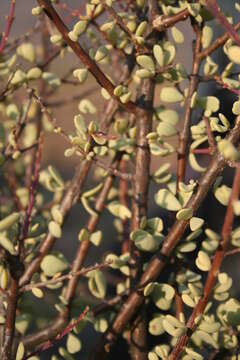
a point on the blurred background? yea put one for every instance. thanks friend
(54, 148)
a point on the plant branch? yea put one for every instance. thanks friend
(68, 276)
(8, 25)
(139, 209)
(163, 22)
(185, 132)
(220, 41)
(217, 13)
(48, 344)
(83, 56)
(31, 196)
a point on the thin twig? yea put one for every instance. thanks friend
(220, 41)
(185, 132)
(8, 25)
(48, 344)
(68, 276)
(217, 13)
(31, 196)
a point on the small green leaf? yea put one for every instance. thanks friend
(148, 289)
(101, 53)
(96, 238)
(18, 78)
(236, 108)
(80, 27)
(37, 292)
(142, 27)
(97, 284)
(22, 323)
(152, 356)
(155, 326)
(73, 344)
(20, 351)
(9, 221)
(233, 53)
(144, 73)
(7, 244)
(51, 79)
(26, 51)
(228, 150)
(145, 241)
(100, 324)
(222, 194)
(194, 355)
(209, 103)
(81, 74)
(167, 200)
(34, 73)
(83, 235)
(55, 229)
(4, 278)
(162, 296)
(203, 261)
(56, 214)
(167, 115)
(158, 54)
(196, 223)
(207, 35)
(171, 95)
(166, 129)
(52, 264)
(184, 214)
(119, 210)
(87, 107)
(146, 62)
(177, 35)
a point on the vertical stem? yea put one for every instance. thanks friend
(10, 321)
(123, 193)
(8, 26)
(139, 209)
(184, 134)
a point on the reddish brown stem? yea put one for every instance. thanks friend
(31, 196)
(211, 138)
(217, 13)
(48, 344)
(8, 26)
(162, 22)
(83, 56)
(217, 44)
(123, 194)
(10, 321)
(185, 132)
(139, 209)
(206, 151)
